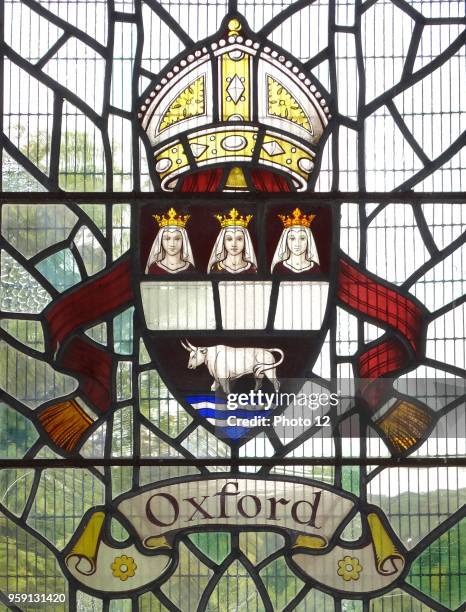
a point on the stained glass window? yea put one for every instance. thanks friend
(232, 306)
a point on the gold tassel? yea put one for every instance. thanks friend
(65, 423)
(236, 179)
(404, 425)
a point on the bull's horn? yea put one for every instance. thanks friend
(187, 345)
(191, 347)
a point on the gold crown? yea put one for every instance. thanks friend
(297, 218)
(234, 218)
(194, 121)
(172, 218)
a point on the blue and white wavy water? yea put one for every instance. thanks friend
(214, 409)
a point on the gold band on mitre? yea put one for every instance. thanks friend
(172, 219)
(297, 219)
(233, 219)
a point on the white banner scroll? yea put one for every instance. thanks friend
(311, 513)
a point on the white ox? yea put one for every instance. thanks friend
(227, 363)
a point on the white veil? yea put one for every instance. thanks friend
(219, 252)
(157, 252)
(282, 252)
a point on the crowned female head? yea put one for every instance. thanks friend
(296, 250)
(171, 250)
(233, 249)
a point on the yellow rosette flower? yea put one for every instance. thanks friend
(124, 567)
(349, 568)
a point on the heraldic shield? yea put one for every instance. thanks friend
(233, 289)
